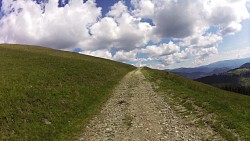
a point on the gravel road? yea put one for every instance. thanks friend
(136, 113)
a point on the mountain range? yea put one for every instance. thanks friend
(236, 80)
(207, 70)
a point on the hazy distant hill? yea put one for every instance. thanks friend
(235, 63)
(247, 65)
(214, 68)
(237, 80)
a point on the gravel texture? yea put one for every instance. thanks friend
(136, 113)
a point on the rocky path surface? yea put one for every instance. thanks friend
(136, 113)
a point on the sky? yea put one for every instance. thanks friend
(161, 34)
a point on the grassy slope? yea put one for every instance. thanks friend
(232, 110)
(244, 81)
(50, 95)
(238, 71)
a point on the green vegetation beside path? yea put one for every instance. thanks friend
(50, 95)
(230, 112)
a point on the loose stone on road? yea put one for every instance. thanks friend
(136, 113)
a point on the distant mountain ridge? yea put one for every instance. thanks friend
(234, 63)
(210, 69)
(247, 65)
(236, 80)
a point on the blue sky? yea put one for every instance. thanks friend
(156, 33)
(106, 4)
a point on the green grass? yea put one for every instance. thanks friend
(245, 82)
(239, 71)
(232, 110)
(50, 95)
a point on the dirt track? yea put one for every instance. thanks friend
(136, 113)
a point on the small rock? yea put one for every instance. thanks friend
(46, 121)
(108, 129)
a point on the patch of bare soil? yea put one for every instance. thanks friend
(136, 113)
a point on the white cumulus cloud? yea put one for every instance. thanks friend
(125, 56)
(161, 50)
(196, 27)
(119, 30)
(57, 27)
(98, 53)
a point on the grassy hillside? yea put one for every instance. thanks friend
(225, 111)
(50, 95)
(236, 80)
(238, 71)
